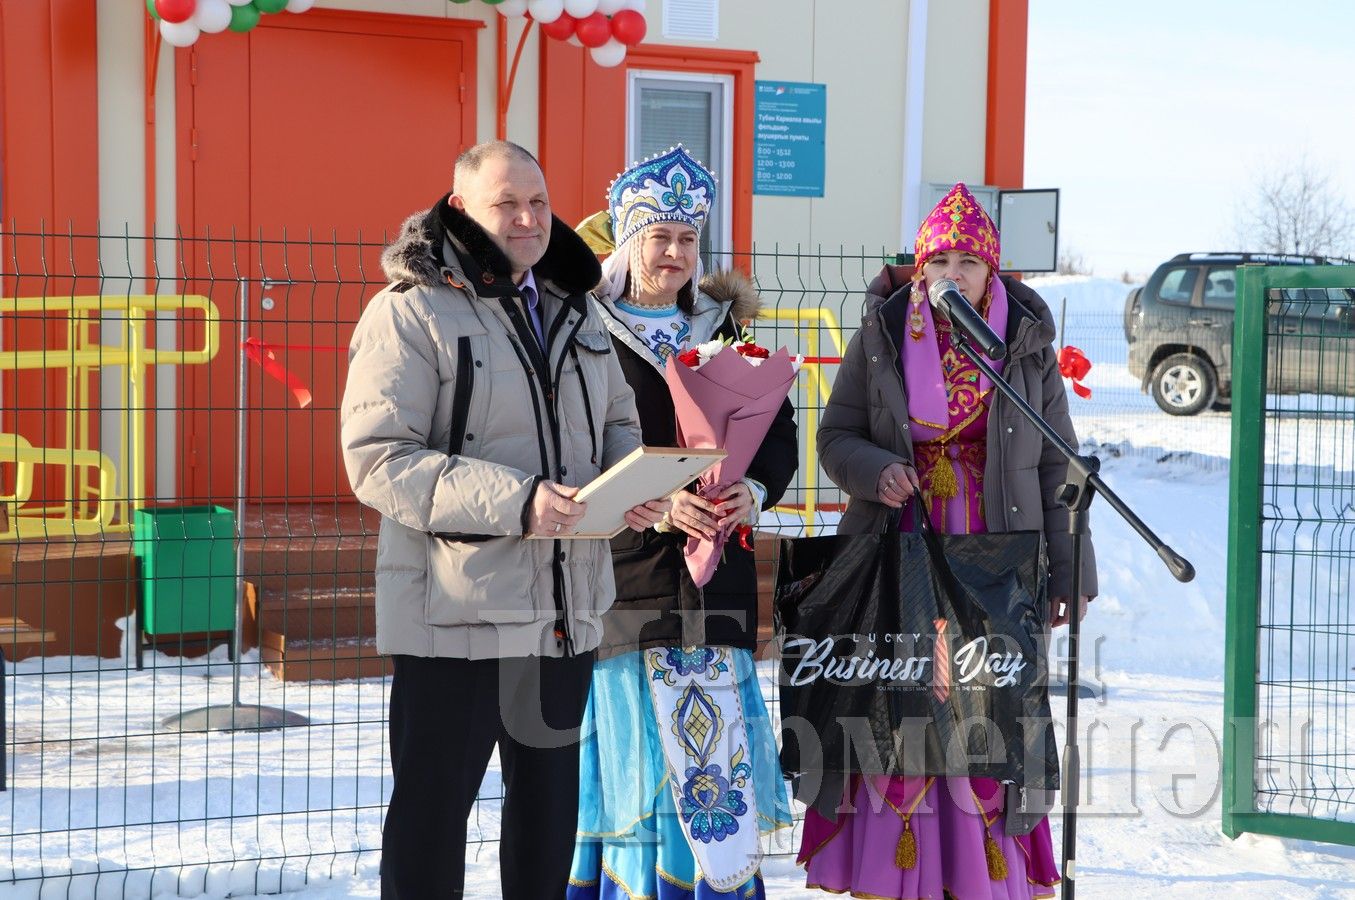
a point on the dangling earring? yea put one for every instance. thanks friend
(917, 325)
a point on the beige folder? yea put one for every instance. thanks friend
(646, 473)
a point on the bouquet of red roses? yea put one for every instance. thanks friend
(726, 396)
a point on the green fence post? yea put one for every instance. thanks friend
(1244, 546)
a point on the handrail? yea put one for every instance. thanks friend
(100, 356)
(821, 314)
(80, 357)
(811, 321)
(16, 449)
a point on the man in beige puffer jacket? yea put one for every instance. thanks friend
(482, 392)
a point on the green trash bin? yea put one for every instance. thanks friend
(187, 556)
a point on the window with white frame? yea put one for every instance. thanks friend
(695, 110)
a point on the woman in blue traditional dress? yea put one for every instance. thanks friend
(679, 777)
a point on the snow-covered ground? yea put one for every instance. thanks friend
(1152, 742)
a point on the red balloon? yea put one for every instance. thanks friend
(628, 27)
(176, 10)
(594, 31)
(562, 29)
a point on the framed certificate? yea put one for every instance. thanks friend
(646, 473)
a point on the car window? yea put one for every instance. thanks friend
(1220, 288)
(1332, 305)
(1314, 304)
(1177, 285)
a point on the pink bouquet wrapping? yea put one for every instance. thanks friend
(725, 398)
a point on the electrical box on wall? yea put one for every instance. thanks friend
(1029, 223)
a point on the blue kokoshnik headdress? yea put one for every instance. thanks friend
(670, 187)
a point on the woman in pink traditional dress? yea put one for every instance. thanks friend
(912, 420)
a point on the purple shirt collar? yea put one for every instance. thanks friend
(532, 295)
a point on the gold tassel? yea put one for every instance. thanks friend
(905, 854)
(944, 486)
(997, 863)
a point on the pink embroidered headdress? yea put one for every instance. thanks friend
(958, 223)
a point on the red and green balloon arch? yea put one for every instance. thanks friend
(182, 22)
(606, 27)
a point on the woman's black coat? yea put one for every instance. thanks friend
(657, 604)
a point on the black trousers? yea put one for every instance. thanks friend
(446, 716)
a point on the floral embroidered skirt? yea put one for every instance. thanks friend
(920, 837)
(633, 836)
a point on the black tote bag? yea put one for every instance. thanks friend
(858, 618)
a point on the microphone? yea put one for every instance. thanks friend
(951, 304)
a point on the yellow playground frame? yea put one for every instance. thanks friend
(93, 505)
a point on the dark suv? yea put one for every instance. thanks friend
(1179, 326)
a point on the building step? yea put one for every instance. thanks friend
(329, 614)
(312, 563)
(298, 659)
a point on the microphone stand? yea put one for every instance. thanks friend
(1077, 493)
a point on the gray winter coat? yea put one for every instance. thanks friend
(454, 575)
(865, 425)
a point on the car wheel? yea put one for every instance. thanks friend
(1183, 384)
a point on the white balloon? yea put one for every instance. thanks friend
(299, 6)
(545, 11)
(180, 34)
(511, 8)
(239, 2)
(212, 16)
(581, 9)
(609, 54)
(611, 7)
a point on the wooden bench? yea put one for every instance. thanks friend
(14, 630)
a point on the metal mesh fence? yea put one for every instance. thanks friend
(1307, 673)
(177, 535)
(1291, 618)
(160, 434)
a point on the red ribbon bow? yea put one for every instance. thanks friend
(261, 354)
(1075, 365)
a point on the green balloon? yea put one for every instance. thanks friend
(150, 8)
(270, 6)
(460, 1)
(243, 18)
(493, 2)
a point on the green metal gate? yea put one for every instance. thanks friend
(1289, 746)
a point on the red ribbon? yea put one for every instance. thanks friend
(1075, 365)
(745, 532)
(262, 355)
